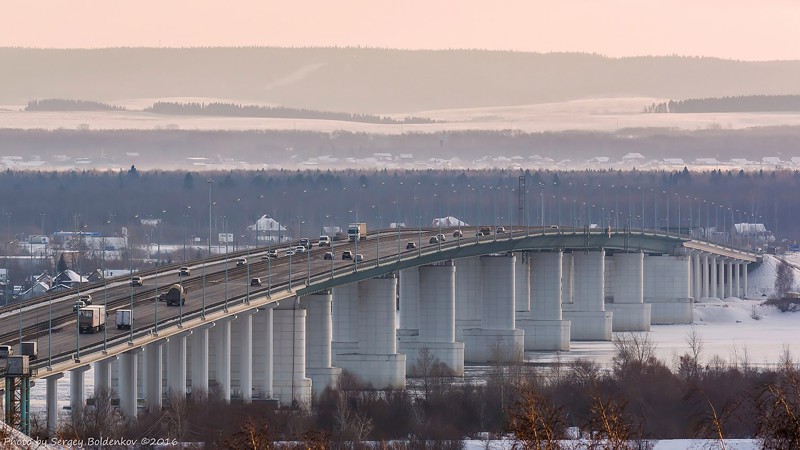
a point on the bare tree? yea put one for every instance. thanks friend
(536, 423)
(609, 429)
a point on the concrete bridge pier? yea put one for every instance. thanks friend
(263, 351)
(497, 339)
(319, 332)
(221, 335)
(630, 311)
(102, 374)
(436, 333)
(721, 277)
(199, 360)
(706, 277)
(128, 395)
(590, 321)
(744, 280)
(51, 405)
(544, 326)
(376, 361)
(468, 295)
(712, 279)
(153, 381)
(289, 382)
(667, 289)
(245, 325)
(77, 397)
(729, 284)
(176, 365)
(697, 277)
(408, 332)
(737, 281)
(345, 321)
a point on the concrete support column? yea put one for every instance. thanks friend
(696, 277)
(128, 395)
(468, 295)
(522, 285)
(713, 278)
(319, 334)
(497, 339)
(51, 404)
(245, 324)
(153, 382)
(590, 320)
(437, 287)
(222, 337)
(176, 366)
(345, 321)
(544, 327)
(737, 286)
(706, 277)
(199, 362)
(376, 361)
(729, 280)
(744, 282)
(408, 333)
(667, 289)
(77, 398)
(290, 384)
(630, 311)
(567, 275)
(102, 375)
(267, 351)
(721, 277)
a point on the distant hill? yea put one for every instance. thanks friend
(375, 80)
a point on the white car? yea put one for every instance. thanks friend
(290, 252)
(299, 249)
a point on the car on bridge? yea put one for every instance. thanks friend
(458, 234)
(78, 305)
(500, 230)
(433, 240)
(441, 237)
(86, 299)
(241, 262)
(184, 272)
(347, 254)
(484, 231)
(359, 257)
(324, 241)
(290, 252)
(272, 254)
(255, 282)
(137, 281)
(299, 249)
(411, 246)
(328, 255)
(305, 243)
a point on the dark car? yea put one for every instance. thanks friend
(411, 246)
(433, 240)
(255, 282)
(347, 254)
(328, 255)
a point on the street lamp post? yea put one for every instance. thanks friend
(210, 217)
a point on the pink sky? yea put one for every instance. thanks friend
(740, 29)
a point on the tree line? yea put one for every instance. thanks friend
(278, 112)
(627, 405)
(742, 103)
(60, 104)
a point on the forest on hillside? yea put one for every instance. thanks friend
(375, 81)
(742, 103)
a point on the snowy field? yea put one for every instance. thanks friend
(600, 114)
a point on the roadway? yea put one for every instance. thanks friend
(212, 284)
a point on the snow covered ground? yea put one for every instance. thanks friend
(674, 444)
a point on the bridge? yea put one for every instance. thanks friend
(465, 299)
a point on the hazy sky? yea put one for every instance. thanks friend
(740, 29)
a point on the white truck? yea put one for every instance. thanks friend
(92, 319)
(124, 319)
(357, 231)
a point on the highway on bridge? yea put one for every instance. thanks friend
(208, 292)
